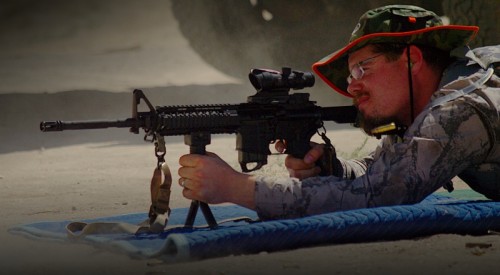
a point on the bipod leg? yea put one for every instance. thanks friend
(197, 142)
(193, 210)
(205, 209)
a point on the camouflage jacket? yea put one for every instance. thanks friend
(456, 136)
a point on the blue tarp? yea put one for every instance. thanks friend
(435, 215)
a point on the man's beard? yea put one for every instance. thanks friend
(368, 124)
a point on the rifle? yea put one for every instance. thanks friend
(269, 115)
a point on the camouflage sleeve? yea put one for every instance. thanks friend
(441, 143)
(353, 168)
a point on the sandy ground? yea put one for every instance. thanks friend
(81, 61)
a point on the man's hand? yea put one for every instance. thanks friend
(210, 179)
(302, 168)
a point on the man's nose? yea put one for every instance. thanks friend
(354, 87)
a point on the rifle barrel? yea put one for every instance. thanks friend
(53, 126)
(339, 114)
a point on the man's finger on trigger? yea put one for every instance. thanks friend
(280, 146)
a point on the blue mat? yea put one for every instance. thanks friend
(435, 215)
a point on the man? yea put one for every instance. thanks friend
(403, 69)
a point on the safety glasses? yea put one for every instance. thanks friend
(357, 71)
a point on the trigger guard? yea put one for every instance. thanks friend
(245, 168)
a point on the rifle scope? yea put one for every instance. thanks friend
(269, 80)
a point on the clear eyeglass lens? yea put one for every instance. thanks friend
(356, 73)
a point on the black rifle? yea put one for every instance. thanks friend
(271, 114)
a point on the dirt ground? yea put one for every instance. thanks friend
(81, 61)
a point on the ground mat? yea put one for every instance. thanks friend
(437, 214)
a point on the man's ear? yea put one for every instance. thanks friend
(416, 58)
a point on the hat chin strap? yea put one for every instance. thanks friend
(410, 83)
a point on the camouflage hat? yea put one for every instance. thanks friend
(392, 24)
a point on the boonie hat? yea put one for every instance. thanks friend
(401, 24)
